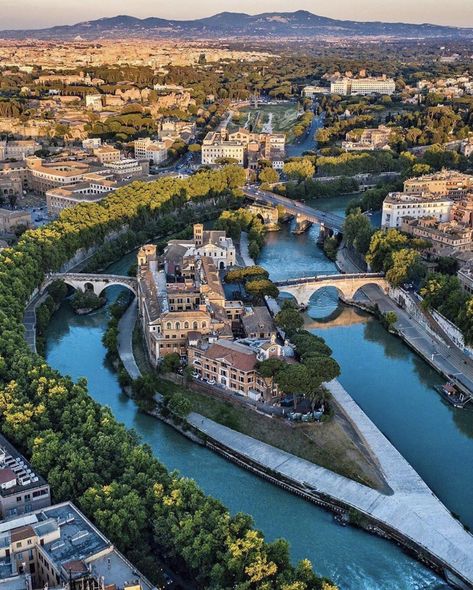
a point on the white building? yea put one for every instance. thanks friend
(398, 206)
(18, 150)
(91, 143)
(313, 91)
(363, 86)
(215, 147)
(146, 149)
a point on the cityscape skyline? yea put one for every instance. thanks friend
(28, 13)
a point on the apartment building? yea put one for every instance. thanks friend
(362, 86)
(106, 154)
(91, 143)
(232, 365)
(216, 147)
(18, 149)
(397, 206)
(21, 490)
(449, 183)
(447, 239)
(368, 139)
(58, 547)
(154, 151)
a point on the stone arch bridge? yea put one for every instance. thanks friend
(92, 282)
(346, 284)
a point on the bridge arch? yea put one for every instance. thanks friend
(95, 283)
(346, 285)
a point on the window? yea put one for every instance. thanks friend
(169, 325)
(186, 325)
(18, 498)
(178, 326)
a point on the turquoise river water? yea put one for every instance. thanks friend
(390, 383)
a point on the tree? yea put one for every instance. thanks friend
(289, 320)
(170, 363)
(260, 288)
(299, 169)
(195, 148)
(357, 231)
(320, 369)
(268, 175)
(406, 266)
(179, 405)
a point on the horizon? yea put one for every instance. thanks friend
(85, 11)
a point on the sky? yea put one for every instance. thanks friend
(20, 14)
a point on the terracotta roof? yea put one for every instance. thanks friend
(24, 532)
(237, 355)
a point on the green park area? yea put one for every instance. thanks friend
(274, 118)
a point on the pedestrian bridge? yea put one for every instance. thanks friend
(347, 285)
(92, 282)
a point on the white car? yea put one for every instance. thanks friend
(211, 381)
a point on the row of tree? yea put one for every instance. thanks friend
(85, 454)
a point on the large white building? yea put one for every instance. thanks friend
(146, 149)
(399, 206)
(215, 147)
(363, 86)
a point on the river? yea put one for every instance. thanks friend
(388, 381)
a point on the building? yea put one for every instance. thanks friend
(44, 176)
(447, 239)
(181, 294)
(11, 220)
(258, 323)
(362, 86)
(10, 186)
(466, 147)
(94, 102)
(154, 151)
(244, 147)
(91, 143)
(128, 168)
(397, 206)
(213, 244)
(58, 547)
(233, 366)
(92, 190)
(18, 150)
(313, 91)
(368, 139)
(21, 490)
(449, 183)
(216, 147)
(106, 154)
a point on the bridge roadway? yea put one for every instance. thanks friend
(329, 220)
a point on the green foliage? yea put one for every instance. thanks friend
(179, 405)
(290, 320)
(299, 169)
(269, 175)
(330, 247)
(170, 363)
(260, 288)
(358, 231)
(406, 266)
(234, 222)
(349, 164)
(239, 275)
(316, 189)
(86, 300)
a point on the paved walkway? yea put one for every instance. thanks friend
(446, 359)
(244, 254)
(412, 509)
(29, 320)
(125, 340)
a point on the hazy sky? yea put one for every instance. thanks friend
(16, 14)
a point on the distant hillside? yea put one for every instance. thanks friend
(228, 24)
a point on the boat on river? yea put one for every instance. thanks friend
(453, 395)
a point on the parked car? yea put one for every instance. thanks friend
(211, 381)
(196, 374)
